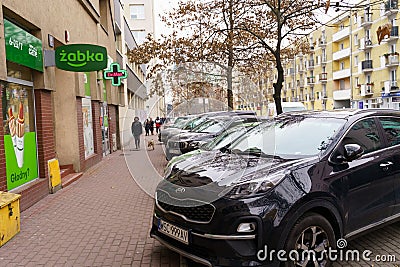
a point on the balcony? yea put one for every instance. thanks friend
(391, 60)
(322, 42)
(365, 43)
(391, 7)
(310, 64)
(366, 21)
(311, 80)
(366, 89)
(366, 66)
(341, 54)
(342, 94)
(340, 35)
(341, 74)
(390, 86)
(393, 86)
(323, 77)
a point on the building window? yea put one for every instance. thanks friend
(140, 36)
(355, 60)
(367, 55)
(341, 46)
(368, 78)
(103, 13)
(356, 39)
(342, 65)
(137, 11)
(367, 34)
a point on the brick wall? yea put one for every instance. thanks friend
(113, 122)
(3, 179)
(44, 130)
(96, 158)
(80, 133)
(98, 147)
(34, 193)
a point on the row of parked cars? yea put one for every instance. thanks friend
(240, 187)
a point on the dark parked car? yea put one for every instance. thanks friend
(178, 124)
(196, 120)
(297, 184)
(222, 140)
(214, 126)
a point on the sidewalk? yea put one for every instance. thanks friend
(103, 219)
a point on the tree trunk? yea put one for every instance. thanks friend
(230, 93)
(230, 55)
(278, 87)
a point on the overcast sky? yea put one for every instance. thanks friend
(161, 7)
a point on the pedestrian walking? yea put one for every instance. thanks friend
(158, 124)
(137, 130)
(147, 127)
(151, 123)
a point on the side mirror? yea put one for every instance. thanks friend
(352, 152)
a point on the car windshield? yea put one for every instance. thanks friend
(204, 127)
(180, 123)
(216, 127)
(228, 136)
(290, 137)
(194, 123)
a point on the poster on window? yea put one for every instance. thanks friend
(19, 134)
(87, 127)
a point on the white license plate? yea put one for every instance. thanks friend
(173, 231)
(175, 151)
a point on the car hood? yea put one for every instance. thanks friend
(212, 172)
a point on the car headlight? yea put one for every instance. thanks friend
(254, 188)
(183, 144)
(193, 145)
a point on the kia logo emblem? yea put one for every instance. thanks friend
(180, 190)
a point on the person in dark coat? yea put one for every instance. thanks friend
(137, 130)
(147, 127)
(151, 122)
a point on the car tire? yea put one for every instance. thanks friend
(300, 238)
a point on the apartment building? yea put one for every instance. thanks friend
(346, 66)
(48, 112)
(133, 92)
(141, 20)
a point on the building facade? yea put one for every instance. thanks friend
(141, 20)
(346, 66)
(133, 90)
(47, 112)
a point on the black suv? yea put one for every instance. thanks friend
(205, 132)
(296, 184)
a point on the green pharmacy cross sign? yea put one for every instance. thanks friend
(115, 74)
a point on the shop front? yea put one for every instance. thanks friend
(23, 56)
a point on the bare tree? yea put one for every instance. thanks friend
(205, 31)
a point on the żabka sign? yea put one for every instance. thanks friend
(81, 57)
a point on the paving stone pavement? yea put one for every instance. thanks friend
(103, 219)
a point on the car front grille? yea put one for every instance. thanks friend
(189, 209)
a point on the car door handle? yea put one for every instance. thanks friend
(385, 165)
